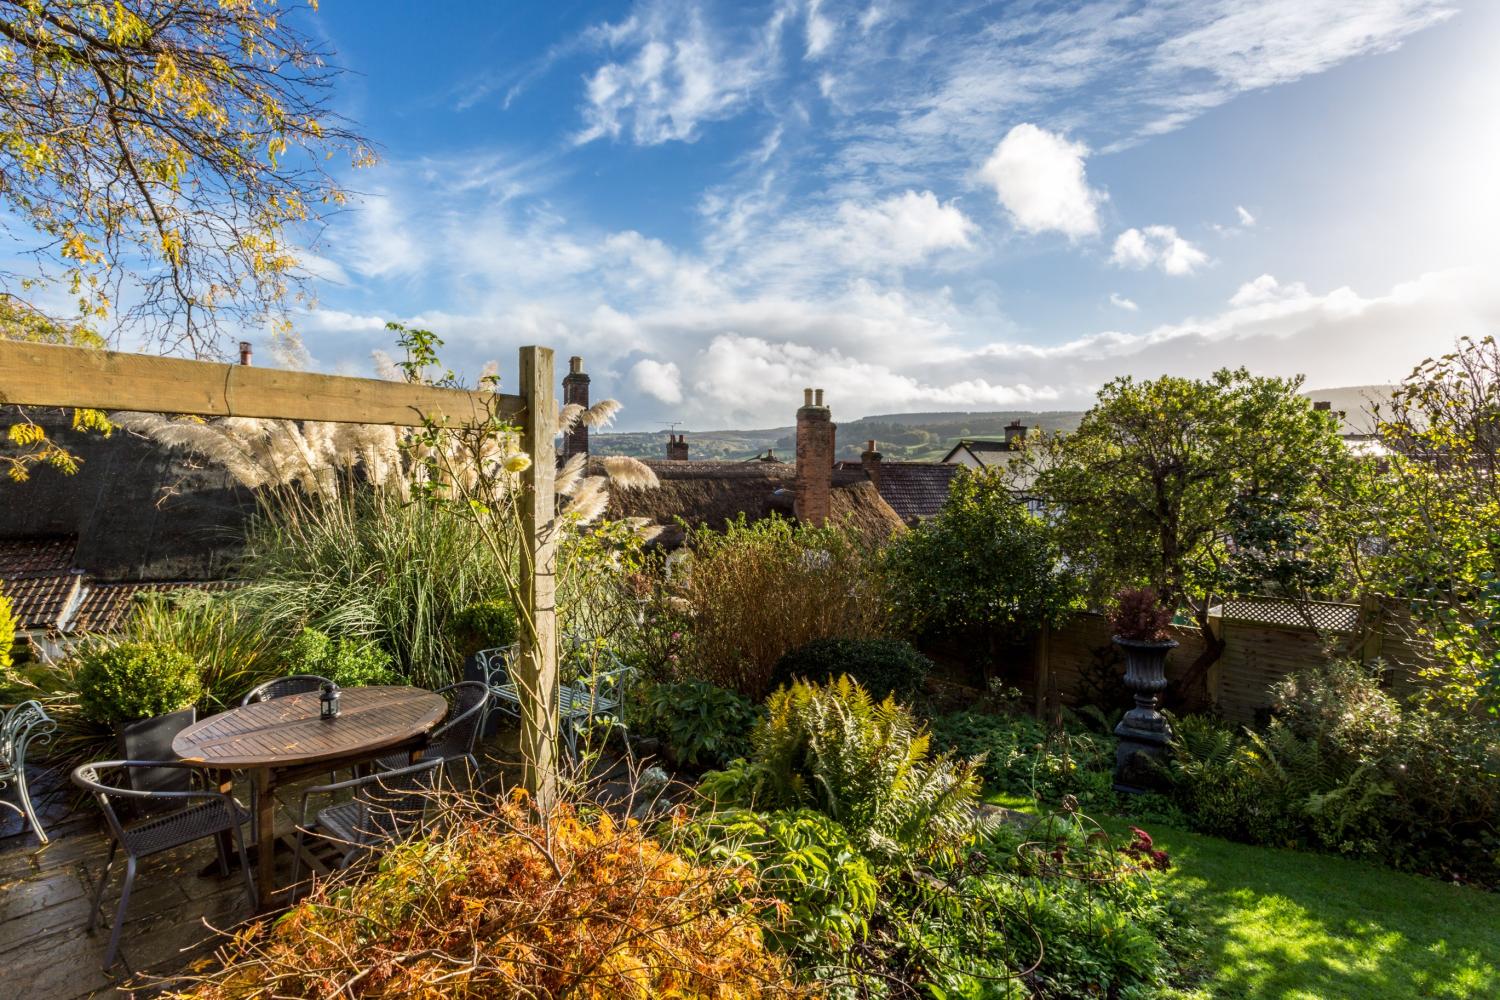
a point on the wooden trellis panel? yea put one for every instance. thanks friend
(1323, 616)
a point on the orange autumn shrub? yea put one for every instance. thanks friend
(498, 905)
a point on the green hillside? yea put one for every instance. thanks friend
(915, 437)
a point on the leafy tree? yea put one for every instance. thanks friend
(983, 565)
(29, 444)
(1442, 523)
(164, 154)
(1231, 484)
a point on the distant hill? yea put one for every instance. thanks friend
(917, 437)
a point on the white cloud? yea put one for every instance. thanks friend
(902, 229)
(660, 381)
(1117, 299)
(1158, 246)
(1246, 219)
(1039, 177)
(680, 75)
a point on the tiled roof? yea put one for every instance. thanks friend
(28, 557)
(42, 601)
(105, 606)
(915, 489)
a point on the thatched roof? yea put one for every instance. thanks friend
(139, 512)
(711, 494)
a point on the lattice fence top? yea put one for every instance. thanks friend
(1320, 615)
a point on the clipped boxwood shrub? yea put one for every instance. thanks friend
(128, 681)
(881, 666)
(484, 625)
(347, 662)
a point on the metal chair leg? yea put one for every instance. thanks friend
(239, 846)
(25, 796)
(99, 889)
(114, 936)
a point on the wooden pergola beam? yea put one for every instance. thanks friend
(49, 375)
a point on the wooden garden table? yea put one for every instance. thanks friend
(285, 738)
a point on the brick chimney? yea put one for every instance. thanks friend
(575, 387)
(245, 352)
(869, 459)
(815, 431)
(677, 448)
(1015, 435)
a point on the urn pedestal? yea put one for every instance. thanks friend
(1144, 731)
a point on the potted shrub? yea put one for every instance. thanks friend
(1139, 624)
(146, 693)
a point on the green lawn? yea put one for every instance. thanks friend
(1286, 924)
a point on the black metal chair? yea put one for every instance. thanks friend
(454, 739)
(196, 814)
(281, 687)
(386, 806)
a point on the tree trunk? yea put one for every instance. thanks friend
(1189, 693)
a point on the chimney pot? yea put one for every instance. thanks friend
(870, 462)
(244, 352)
(815, 453)
(806, 397)
(575, 386)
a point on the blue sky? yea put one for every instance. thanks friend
(917, 206)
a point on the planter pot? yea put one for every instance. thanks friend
(151, 739)
(1144, 731)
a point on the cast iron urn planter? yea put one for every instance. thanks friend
(1144, 731)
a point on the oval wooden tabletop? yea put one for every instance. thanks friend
(286, 732)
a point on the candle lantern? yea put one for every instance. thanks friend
(329, 700)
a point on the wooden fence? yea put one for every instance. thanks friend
(1264, 641)
(47, 375)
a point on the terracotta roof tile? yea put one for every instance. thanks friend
(105, 606)
(41, 601)
(30, 557)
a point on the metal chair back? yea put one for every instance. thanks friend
(282, 687)
(456, 736)
(151, 739)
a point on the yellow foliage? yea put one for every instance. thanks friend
(501, 905)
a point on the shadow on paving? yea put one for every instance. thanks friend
(178, 903)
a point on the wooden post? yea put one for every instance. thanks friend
(1214, 679)
(536, 679)
(1371, 631)
(1043, 670)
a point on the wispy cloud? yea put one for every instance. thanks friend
(672, 72)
